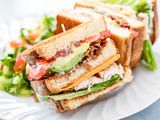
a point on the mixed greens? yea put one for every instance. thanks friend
(141, 6)
(97, 87)
(15, 83)
(13, 74)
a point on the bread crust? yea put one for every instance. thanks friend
(40, 87)
(137, 46)
(154, 36)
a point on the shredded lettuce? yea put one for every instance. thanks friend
(23, 32)
(48, 25)
(11, 81)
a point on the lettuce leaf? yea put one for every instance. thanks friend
(148, 55)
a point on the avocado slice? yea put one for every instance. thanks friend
(97, 87)
(64, 64)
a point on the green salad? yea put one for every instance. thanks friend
(13, 75)
(141, 6)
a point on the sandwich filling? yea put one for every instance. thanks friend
(98, 82)
(65, 60)
(102, 76)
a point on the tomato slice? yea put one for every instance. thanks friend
(35, 73)
(35, 34)
(38, 71)
(19, 64)
(17, 43)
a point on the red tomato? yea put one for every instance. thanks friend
(17, 43)
(36, 72)
(35, 34)
(19, 64)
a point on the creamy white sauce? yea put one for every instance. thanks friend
(104, 76)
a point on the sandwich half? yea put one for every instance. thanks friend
(127, 33)
(142, 10)
(76, 66)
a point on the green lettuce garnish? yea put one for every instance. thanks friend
(23, 31)
(148, 55)
(11, 81)
(48, 25)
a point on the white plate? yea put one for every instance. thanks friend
(134, 97)
(139, 94)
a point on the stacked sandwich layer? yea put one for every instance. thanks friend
(76, 64)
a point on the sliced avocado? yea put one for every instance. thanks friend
(67, 63)
(97, 87)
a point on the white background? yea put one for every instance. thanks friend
(10, 9)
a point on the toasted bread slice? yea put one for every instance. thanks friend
(65, 82)
(71, 104)
(47, 49)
